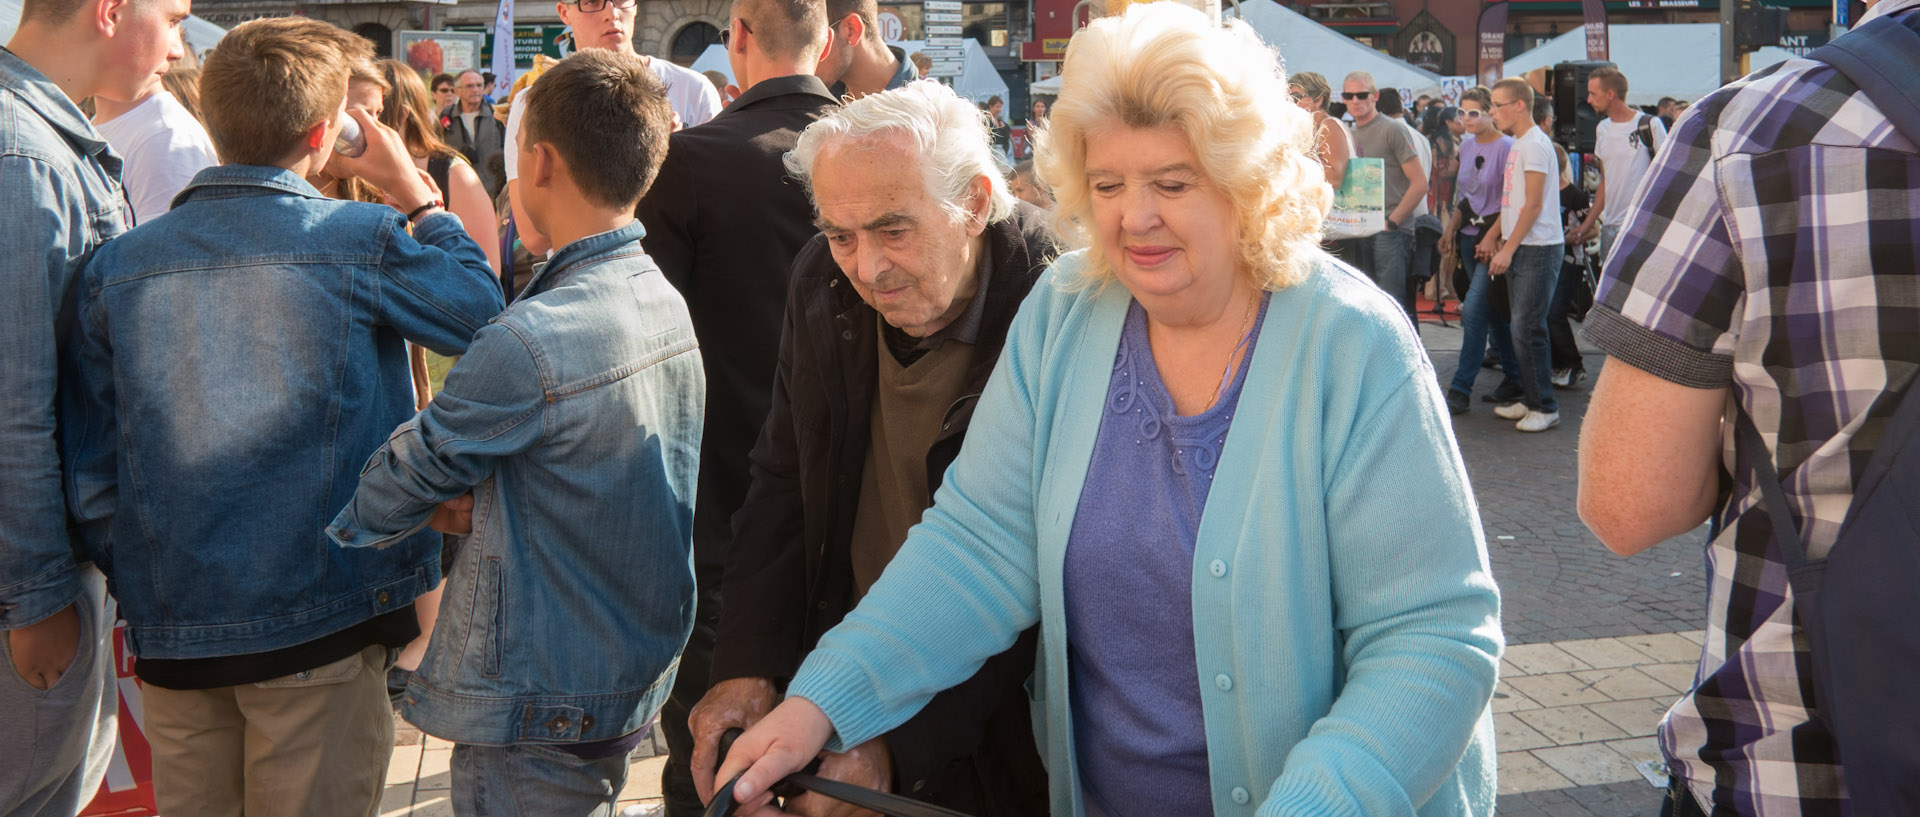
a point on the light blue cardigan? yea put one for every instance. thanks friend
(1346, 627)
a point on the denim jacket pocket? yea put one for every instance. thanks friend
(338, 672)
(496, 605)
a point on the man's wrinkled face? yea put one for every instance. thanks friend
(905, 254)
(471, 88)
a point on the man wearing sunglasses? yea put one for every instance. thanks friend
(724, 222)
(1385, 138)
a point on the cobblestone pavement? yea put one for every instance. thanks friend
(1598, 645)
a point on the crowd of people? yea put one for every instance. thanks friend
(391, 393)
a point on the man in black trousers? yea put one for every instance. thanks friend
(724, 223)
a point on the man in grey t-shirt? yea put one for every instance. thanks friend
(1384, 138)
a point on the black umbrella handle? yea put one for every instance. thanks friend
(795, 784)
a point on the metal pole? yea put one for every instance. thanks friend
(1729, 47)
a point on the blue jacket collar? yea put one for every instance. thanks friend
(563, 260)
(266, 177)
(51, 103)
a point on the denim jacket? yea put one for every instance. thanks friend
(239, 358)
(60, 200)
(575, 420)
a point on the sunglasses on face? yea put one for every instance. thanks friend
(1355, 94)
(1471, 114)
(1296, 96)
(726, 37)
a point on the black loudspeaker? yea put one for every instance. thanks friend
(1573, 119)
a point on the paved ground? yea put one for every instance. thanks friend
(1599, 645)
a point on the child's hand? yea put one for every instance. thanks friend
(386, 165)
(454, 516)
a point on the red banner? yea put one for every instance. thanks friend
(1596, 14)
(1492, 43)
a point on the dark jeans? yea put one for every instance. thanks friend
(696, 663)
(1392, 251)
(1478, 323)
(1680, 803)
(1566, 353)
(1530, 284)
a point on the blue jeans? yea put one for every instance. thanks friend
(1392, 250)
(1530, 284)
(534, 780)
(1477, 323)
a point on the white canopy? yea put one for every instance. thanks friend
(1680, 60)
(977, 81)
(201, 35)
(1306, 45)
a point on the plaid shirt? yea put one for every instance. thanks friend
(1772, 250)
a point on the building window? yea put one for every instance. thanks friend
(692, 41)
(379, 35)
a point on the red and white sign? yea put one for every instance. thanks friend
(128, 789)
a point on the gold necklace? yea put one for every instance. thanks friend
(1246, 323)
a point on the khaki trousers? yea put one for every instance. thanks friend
(314, 744)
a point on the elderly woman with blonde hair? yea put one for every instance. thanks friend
(1213, 464)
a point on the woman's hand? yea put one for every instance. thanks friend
(782, 743)
(736, 702)
(1501, 261)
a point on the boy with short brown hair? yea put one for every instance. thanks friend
(239, 357)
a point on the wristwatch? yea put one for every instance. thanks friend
(1392, 227)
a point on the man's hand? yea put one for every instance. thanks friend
(42, 651)
(1501, 261)
(733, 703)
(387, 165)
(870, 764)
(454, 516)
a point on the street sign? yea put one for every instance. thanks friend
(942, 5)
(946, 68)
(943, 17)
(943, 31)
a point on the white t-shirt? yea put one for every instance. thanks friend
(1425, 149)
(1624, 161)
(163, 146)
(1533, 153)
(689, 94)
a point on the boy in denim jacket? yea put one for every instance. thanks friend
(574, 420)
(238, 359)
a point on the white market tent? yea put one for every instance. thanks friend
(1305, 45)
(1680, 60)
(978, 80)
(202, 36)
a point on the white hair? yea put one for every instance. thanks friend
(948, 134)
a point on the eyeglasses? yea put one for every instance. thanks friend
(1297, 96)
(591, 6)
(1506, 103)
(726, 37)
(1355, 94)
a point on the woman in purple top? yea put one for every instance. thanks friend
(1482, 160)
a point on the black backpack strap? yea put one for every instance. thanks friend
(1785, 533)
(440, 167)
(1882, 58)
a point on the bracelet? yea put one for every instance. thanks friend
(422, 209)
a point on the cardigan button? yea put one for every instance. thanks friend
(1224, 683)
(1241, 796)
(1217, 568)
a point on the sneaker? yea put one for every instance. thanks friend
(1561, 377)
(1574, 377)
(1512, 411)
(1538, 421)
(1457, 403)
(1507, 392)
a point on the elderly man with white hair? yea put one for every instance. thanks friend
(896, 315)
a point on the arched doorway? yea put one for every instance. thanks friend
(692, 41)
(381, 36)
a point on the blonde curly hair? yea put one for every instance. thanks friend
(1165, 65)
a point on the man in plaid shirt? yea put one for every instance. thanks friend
(1771, 259)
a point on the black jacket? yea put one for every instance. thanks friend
(724, 221)
(789, 577)
(488, 138)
